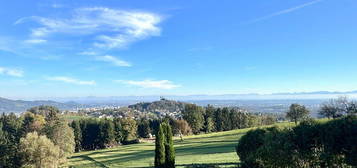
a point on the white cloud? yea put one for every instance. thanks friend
(285, 11)
(35, 41)
(115, 61)
(71, 80)
(11, 72)
(158, 84)
(112, 28)
(87, 53)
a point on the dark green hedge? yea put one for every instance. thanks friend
(310, 144)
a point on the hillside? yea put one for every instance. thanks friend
(161, 105)
(209, 149)
(18, 106)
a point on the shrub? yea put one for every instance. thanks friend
(310, 144)
(247, 148)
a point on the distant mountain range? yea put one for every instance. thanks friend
(317, 92)
(7, 105)
(126, 100)
(18, 106)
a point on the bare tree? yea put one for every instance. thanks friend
(339, 107)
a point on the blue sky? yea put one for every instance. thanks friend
(114, 48)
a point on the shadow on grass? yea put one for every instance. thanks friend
(206, 148)
(137, 153)
(209, 165)
(206, 137)
(85, 157)
(195, 148)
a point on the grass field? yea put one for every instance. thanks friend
(215, 148)
(70, 118)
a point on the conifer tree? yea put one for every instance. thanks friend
(118, 130)
(169, 147)
(218, 119)
(144, 128)
(77, 135)
(107, 134)
(160, 148)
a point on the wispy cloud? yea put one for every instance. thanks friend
(111, 28)
(87, 53)
(35, 41)
(114, 60)
(285, 11)
(11, 72)
(158, 84)
(71, 80)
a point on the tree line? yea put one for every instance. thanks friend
(211, 119)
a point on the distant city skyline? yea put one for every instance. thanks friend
(52, 49)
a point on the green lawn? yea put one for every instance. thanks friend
(214, 148)
(70, 118)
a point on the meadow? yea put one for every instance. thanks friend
(216, 149)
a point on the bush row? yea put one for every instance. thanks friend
(310, 144)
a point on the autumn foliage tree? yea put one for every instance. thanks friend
(39, 151)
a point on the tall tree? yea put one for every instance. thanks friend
(129, 128)
(76, 126)
(11, 128)
(218, 118)
(193, 114)
(107, 133)
(169, 148)
(3, 146)
(234, 117)
(32, 122)
(226, 123)
(160, 148)
(208, 118)
(62, 135)
(90, 134)
(297, 113)
(144, 128)
(118, 130)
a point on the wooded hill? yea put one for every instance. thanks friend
(161, 105)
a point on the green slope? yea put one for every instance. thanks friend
(214, 148)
